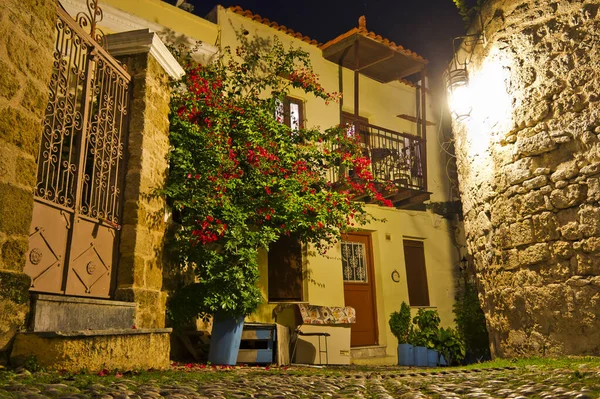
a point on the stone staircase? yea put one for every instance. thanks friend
(371, 356)
(63, 313)
(81, 333)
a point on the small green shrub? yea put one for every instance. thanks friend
(427, 323)
(400, 324)
(31, 364)
(450, 344)
(470, 322)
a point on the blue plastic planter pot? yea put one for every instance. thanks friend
(405, 355)
(443, 361)
(432, 358)
(420, 356)
(225, 339)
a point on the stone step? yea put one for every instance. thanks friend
(94, 350)
(376, 361)
(362, 352)
(64, 313)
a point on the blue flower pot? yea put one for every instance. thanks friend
(432, 358)
(405, 355)
(420, 356)
(225, 339)
(443, 361)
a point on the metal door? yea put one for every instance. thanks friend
(359, 287)
(77, 208)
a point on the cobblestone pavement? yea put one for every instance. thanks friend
(297, 383)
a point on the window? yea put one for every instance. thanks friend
(291, 112)
(416, 273)
(354, 262)
(285, 270)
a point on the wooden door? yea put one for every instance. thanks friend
(359, 287)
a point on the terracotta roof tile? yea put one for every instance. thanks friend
(407, 82)
(255, 17)
(378, 38)
(249, 14)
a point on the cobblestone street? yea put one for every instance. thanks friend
(296, 382)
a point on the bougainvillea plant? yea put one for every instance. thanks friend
(239, 178)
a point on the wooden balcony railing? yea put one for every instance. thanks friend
(395, 157)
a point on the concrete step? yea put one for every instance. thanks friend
(362, 352)
(64, 313)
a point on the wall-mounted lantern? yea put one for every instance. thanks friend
(459, 102)
(457, 75)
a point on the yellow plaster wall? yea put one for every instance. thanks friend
(317, 113)
(381, 103)
(173, 18)
(440, 260)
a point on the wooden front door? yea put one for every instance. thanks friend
(359, 287)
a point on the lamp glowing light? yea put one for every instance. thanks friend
(459, 96)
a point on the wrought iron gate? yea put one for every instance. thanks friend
(77, 209)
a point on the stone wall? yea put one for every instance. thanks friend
(26, 43)
(140, 273)
(529, 169)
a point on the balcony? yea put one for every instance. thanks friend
(398, 158)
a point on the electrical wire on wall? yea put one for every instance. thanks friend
(447, 146)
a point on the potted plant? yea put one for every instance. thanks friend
(427, 323)
(450, 345)
(401, 328)
(239, 179)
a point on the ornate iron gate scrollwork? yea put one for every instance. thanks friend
(77, 208)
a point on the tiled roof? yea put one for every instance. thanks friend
(249, 14)
(378, 38)
(255, 17)
(407, 82)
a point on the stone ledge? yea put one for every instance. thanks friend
(98, 333)
(71, 299)
(365, 352)
(144, 41)
(93, 350)
(64, 313)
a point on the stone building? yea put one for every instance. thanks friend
(529, 167)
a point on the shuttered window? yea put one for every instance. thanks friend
(285, 270)
(416, 273)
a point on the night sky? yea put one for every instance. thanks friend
(424, 26)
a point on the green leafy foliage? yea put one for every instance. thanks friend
(466, 11)
(428, 333)
(427, 322)
(470, 322)
(239, 178)
(450, 344)
(400, 323)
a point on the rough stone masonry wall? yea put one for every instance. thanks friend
(140, 273)
(26, 43)
(530, 178)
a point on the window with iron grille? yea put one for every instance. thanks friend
(354, 262)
